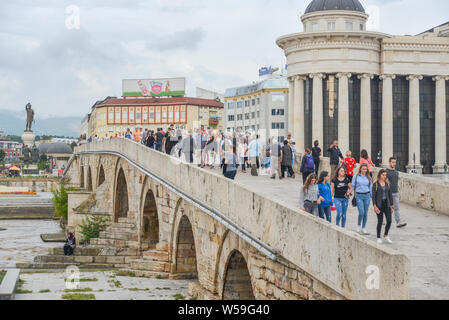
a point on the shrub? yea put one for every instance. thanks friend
(91, 226)
(42, 166)
(60, 199)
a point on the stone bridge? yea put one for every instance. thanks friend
(238, 243)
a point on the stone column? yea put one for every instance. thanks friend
(414, 129)
(440, 124)
(291, 105)
(365, 112)
(317, 107)
(387, 118)
(298, 123)
(343, 111)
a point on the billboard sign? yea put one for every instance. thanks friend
(266, 71)
(154, 87)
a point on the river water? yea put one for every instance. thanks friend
(21, 241)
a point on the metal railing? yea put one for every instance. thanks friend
(212, 212)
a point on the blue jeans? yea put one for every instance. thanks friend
(363, 201)
(159, 147)
(325, 211)
(341, 204)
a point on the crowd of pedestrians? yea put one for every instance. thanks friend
(320, 193)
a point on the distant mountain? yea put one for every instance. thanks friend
(58, 126)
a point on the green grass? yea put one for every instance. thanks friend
(78, 296)
(79, 290)
(39, 271)
(116, 283)
(137, 289)
(125, 274)
(178, 296)
(82, 280)
(21, 291)
(44, 291)
(2, 275)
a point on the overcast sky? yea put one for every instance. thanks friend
(215, 44)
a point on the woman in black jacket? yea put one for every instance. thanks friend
(70, 245)
(383, 204)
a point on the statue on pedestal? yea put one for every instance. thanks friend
(26, 154)
(28, 135)
(34, 155)
(30, 116)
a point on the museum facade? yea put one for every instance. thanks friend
(383, 93)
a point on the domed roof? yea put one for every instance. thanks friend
(325, 5)
(43, 147)
(58, 147)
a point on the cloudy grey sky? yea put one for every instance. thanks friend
(215, 44)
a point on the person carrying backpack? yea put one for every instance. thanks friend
(307, 165)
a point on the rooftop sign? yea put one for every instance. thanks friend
(154, 87)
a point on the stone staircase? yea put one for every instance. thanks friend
(153, 264)
(116, 247)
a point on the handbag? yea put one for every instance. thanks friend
(308, 205)
(354, 199)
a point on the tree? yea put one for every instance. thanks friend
(2, 155)
(73, 145)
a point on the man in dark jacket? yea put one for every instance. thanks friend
(188, 147)
(335, 156)
(159, 139)
(286, 160)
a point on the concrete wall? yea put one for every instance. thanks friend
(339, 259)
(34, 184)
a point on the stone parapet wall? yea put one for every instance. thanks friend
(423, 192)
(324, 163)
(339, 260)
(33, 184)
(417, 190)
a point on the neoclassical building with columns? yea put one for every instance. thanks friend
(383, 93)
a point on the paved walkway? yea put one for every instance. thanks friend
(104, 285)
(425, 240)
(21, 241)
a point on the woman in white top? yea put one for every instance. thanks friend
(243, 154)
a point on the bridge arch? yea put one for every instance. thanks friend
(179, 212)
(101, 176)
(149, 218)
(81, 176)
(237, 280)
(233, 278)
(121, 204)
(185, 258)
(89, 179)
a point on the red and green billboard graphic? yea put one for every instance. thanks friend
(154, 87)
